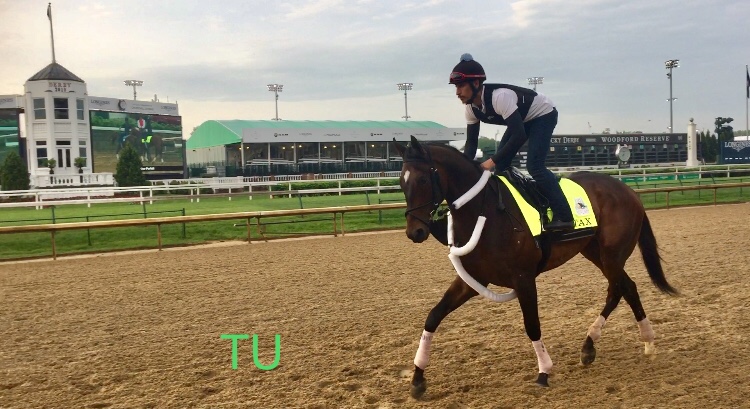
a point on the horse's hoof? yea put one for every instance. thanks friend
(649, 348)
(587, 357)
(418, 390)
(588, 352)
(543, 379)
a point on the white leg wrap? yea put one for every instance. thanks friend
(542, 357)
(423, 352)
(647, 336)
(595, 330)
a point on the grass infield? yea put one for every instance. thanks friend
(33, 245)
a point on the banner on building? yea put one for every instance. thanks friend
(735, 152)
(127, 105)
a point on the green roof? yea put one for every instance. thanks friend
(225, 132)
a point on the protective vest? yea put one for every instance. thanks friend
(525, 98)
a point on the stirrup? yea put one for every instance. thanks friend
(559, 225)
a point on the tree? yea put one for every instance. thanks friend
(724, 133)
(486, 145)
(723, 130)
(128, 172)
(708, 146)
(13, 174)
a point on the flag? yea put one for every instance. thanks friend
(49, 11)
(747, 82)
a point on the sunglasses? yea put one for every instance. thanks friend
(459, 76)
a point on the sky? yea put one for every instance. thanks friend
(603, 61)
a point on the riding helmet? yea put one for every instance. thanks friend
(467, 70)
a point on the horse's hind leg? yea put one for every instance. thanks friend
(588, 352)
(620, 285)
(630, 292)
(456, 295)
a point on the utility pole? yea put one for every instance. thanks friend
(405, 86)
(669, 64)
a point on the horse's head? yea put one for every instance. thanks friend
(420, 182)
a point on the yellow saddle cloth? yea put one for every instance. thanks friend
(578, 200)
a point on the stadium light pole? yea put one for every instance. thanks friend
(669, 64)
(133, 83)
(535, 80)
(276, 88)
(405, 86)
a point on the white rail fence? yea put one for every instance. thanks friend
(252, 186)
(248, 217)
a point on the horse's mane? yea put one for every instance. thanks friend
(452, 150)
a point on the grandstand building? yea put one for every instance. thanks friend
(601, 150)
(258, 148)
(240, 147)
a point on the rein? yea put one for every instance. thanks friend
(437, 192)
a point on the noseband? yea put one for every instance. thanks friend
(437, 192)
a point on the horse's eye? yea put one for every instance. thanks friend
(422, 180)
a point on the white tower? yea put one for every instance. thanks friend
(57, 121)
(692, 145)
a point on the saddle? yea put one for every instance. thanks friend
(527, 187)
(537, 203)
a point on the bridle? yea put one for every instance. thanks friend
(436, 190)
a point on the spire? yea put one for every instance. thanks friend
(52, 34)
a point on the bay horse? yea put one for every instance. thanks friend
(489, 245)
(133, 138)
(157, 143)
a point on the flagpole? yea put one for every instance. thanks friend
(747, 97)
(51, 32)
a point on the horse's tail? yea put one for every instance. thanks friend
(651, 258)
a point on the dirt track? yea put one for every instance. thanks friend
(142, 330)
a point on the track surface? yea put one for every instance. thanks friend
(142, 329)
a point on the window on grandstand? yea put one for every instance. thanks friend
(82, 148)
(61, 108)
(39, 111)
(41, 154)
(79, 108)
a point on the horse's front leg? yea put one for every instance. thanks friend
(527, 298)
(456, 295)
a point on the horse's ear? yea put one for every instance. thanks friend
(416, 146)
(399, 147)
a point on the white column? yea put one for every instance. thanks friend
(692, 145)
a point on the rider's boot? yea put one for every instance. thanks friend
(562, 217)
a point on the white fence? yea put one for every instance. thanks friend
(234, 187)
(78, 179)
(248, 186)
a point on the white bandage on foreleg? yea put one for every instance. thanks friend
(647, 333)
(542, 357)
(423, 352)
(595, 330)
